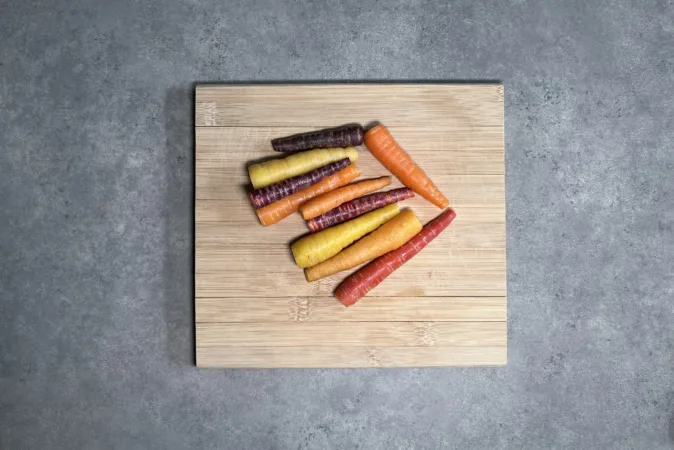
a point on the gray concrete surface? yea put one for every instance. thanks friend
(96, 155)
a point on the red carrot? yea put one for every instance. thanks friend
(357, 207)
(344, 136)
(367, 278)
(268, 195)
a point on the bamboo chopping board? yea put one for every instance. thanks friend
(445, 307)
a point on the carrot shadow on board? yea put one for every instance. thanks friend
(371, 125)
(245, 189)
(178, 221)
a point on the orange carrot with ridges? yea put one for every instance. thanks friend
(281, 209)
(326, 202)
(382, 145)
(367, 278)
(387, 237)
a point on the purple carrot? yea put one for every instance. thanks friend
(268, 195)
(344, 136)
(357, 207)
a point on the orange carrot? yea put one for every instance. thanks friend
(281, 209)
(326, 202)
(384, 239)
(398, 162)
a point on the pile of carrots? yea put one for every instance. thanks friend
(350, 223)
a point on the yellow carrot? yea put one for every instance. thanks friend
(324, 203)
(270, 172)
(281, 209)
(318, 247)
(384, 239)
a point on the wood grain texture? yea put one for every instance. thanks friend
(375, 309)
(353, 334)
(464, 151)
(464, 233)
(420, 105)
(447, 306)
(345, 357)
(441, 272)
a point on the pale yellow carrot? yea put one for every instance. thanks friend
(318, 247)
(270, 172)
(384, 239)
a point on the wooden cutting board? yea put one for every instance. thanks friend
(445, 307)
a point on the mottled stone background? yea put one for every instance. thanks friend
(96, 188)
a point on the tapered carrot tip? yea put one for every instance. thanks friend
(392, 156)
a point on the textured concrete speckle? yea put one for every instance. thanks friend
(96, 161)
